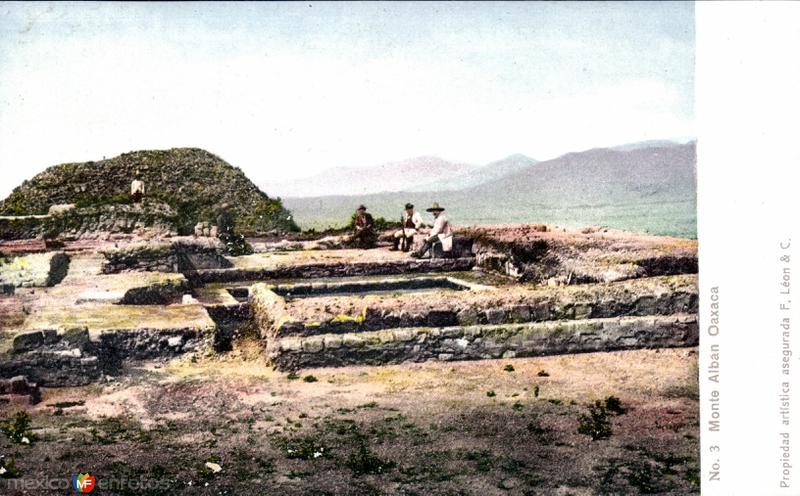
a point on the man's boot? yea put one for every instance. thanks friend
(419, 253)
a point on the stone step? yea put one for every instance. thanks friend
(483, 341)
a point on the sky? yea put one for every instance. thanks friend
(286, 90)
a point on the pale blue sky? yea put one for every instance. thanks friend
(286, 90)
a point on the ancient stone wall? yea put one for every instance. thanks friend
(657, 296)
(268, 310)
(22, 227)
(74, 357)
(480, 342)
(314, 271)
(178, 254)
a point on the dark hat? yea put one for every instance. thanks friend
(408, 205)
(435, 208)
(361, 207)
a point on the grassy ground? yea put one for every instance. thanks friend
(231, 425)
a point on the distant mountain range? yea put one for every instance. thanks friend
(405, 175)
(648, 187)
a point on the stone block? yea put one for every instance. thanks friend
(313, 345)
(467, 317)
(520, 313)
(495, 315)
(27, 341)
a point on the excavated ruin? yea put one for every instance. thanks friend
(517, 291)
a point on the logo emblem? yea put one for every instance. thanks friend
(83, 483)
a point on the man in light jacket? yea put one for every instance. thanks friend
(412, 223)
(137, 190)
(441, 232)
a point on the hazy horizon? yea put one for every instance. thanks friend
(288, 90)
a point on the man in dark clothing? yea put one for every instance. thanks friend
(225, 221)
(364, 235)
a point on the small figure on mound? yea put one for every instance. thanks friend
(225, 221)
(137, 190)
(440, 233)
(411, 223)
(235, 243)
(364, 235)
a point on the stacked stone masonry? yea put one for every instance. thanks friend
(482, 342)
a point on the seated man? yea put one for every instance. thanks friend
(364, 235)
(441, 232)
(412, 222)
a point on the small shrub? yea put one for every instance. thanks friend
(596, 424)
(363, 461)
(509, 368)
(491, 394)
(293, 376)
(536, 391)
(7, 468)
(517, 405)
(542, 373)
(18, 428)
(310, 378)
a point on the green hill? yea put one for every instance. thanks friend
(193, 182)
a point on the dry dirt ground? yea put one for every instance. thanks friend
(499, 427)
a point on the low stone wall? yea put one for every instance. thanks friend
(154, 218)
(482, 342)
(22, 227)
(156, 256)
(36, 270)
(658, 296)
(157, 294)
(268, 310)
(174, 255)
(314, 271)
(74, 357)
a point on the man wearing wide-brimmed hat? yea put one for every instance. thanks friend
(364, 235)
(412, 223)
(441, 232)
